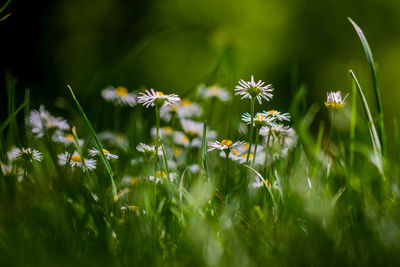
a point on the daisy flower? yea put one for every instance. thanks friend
(334, 100)
(253, 90)
(224, 145)
(184, 109)
(192, 128)
(259, 158)
(27, 154)
(258, 183)
(162, 175)
(277, 130)
(151, 98)
(164, 131)
(94, 152)
(65, 138)
(76, 161)
(213, 92)
(183, 140)
(119, 96)
(259, 120)
(114, 139)
(277, 115)
(148, 149)
(41, 120)
(5, 169)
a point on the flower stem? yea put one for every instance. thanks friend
(251, 129)
(255, 145)
(267, 151)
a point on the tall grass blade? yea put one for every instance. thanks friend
(5, 123)
(371, 127)
(96, 141)
(2, 9)
(204, 148)
(368, 53)
(353, 123)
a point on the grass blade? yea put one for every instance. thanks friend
(4, 124)
(353, 123)
(204, 148)
(96, 141)
(371, 127)
(2, 9)
(368, 53)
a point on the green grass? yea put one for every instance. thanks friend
(327, 204)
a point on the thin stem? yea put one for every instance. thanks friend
(157, 127)
(267, 152)
(251, 129)
(226, 169)
(255, 145)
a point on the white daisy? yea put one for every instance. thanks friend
(255, 90)
(277, 115)
(94, 152)
(259, 120)
(258, 183)
(24, 154)
(65, 138)
(213, 92)
(192, 129)
(151, 98)
(76, 161)
(162, 175)
(184, 109)
(165, 131)
(334, 100)
(277, 130)
(183, 140)
(224, 145)
(114, 139)
(5, 169)
(148, 149)
(41, 120)
(119, 96)
(260, 157)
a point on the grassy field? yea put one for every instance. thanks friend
(152, 178)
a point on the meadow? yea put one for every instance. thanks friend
(158, 179)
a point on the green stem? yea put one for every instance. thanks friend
(255, 145)
(251, 129)
(267, 152)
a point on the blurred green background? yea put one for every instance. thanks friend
(174, 45)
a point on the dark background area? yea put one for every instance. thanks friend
(173, 45)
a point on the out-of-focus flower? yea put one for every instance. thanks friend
(94, 152)
(334, 100)
(149, 150)
(26, 154)
(162, 175)
(117, 140)
(76, 161)
(65, 138)
(119, 96)
(259, 120)
(165, 131)
(253, 90)
(184, 109)
(151, 98)
(41, 120)
(213, 92)
(277, 115)
(224, 145)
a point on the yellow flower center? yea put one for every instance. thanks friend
(76, 158)
(121, 91)
(185, 102)
(245, 155)
(133, 207)
(260, 117)
(162, 174)
(185, 139)
(177, 151)
(226, 142)
(105, 151)
(167, 129)
(159, 94)
(133, 180)
(69, 136)
(271, 111)
(235, 151)
(214, 91)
